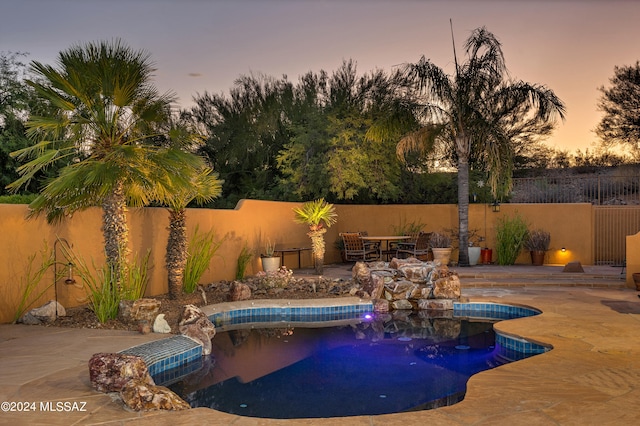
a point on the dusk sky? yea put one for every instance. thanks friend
(204, 45)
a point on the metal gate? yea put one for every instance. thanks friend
(612, 224)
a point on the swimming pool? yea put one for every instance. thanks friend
(364, 365)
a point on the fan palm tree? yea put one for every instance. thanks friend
(476, 115)
(316, 214)
(205, 187)
(107, 115)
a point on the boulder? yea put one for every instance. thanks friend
(376, 286)
(362, 275)
(139, 395)
(160, 325)
(239, 291)
(447, 288)
(435, 304)
(109, 372)
(45, 314)
(197, 326)
(139, 310)
(401, 304)
(381, 306)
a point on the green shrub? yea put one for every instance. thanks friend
(243, 260)
(17, 198)
(511, 233)
(134, 283)
(201, 250)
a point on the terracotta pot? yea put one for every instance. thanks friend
(442, 255)
(485, 255)
(636, 280)
(537, 257)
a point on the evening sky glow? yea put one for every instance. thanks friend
(204, 45)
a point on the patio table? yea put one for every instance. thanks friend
(284, 250)
(386, 239)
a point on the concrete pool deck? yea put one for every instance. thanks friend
(592, 376)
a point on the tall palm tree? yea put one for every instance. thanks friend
(476, 115)
(316, 214)
(107, 114)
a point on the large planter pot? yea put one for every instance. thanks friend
(537, 257)
(270, 264)
(442, 255)
(486, 255)
(474, 255)
(636, 280)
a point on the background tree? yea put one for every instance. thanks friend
(17, 101)
(243, 134)
(620, 104)
(106, 115)
(476, 115)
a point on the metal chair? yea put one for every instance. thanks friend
(355, 249)
(419, 249)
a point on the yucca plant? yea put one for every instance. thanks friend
(316, 214)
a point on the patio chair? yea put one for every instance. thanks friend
(369, 244)
(419, 249)
(355, 249)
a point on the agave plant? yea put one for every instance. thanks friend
(316, 214)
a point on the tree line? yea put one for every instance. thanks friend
(271, 138)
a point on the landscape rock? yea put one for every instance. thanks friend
(139, 310)
(160, 325)
(44, 314)
(110, 372)
(239, 291)
(139, 395)
(447, 288)
(380, 306)
(197, 326)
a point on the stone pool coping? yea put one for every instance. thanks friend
(174, 358)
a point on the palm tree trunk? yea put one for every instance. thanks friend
(318, 248)
(463, 210)
(176, 256)
(115, 230)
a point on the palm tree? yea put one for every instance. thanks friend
(107, 114)
(476, 115)
(205, 187)
(314, 214)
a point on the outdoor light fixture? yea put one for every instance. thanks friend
(495, 206)
(70, 280)
(563, 249)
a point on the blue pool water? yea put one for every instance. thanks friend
(370, 366)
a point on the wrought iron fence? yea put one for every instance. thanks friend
(597, 190)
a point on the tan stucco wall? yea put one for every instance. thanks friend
(253, 222)
(633, 258)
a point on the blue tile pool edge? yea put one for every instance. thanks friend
(170, 359)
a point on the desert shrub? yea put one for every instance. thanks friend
(135, 279)
(202, 248)
(31, 279)
(243, 260)
(511, 233)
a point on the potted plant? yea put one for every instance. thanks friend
(318, 215)
(537, 242)
(440, 244)
(270, 262)
(474, 253)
